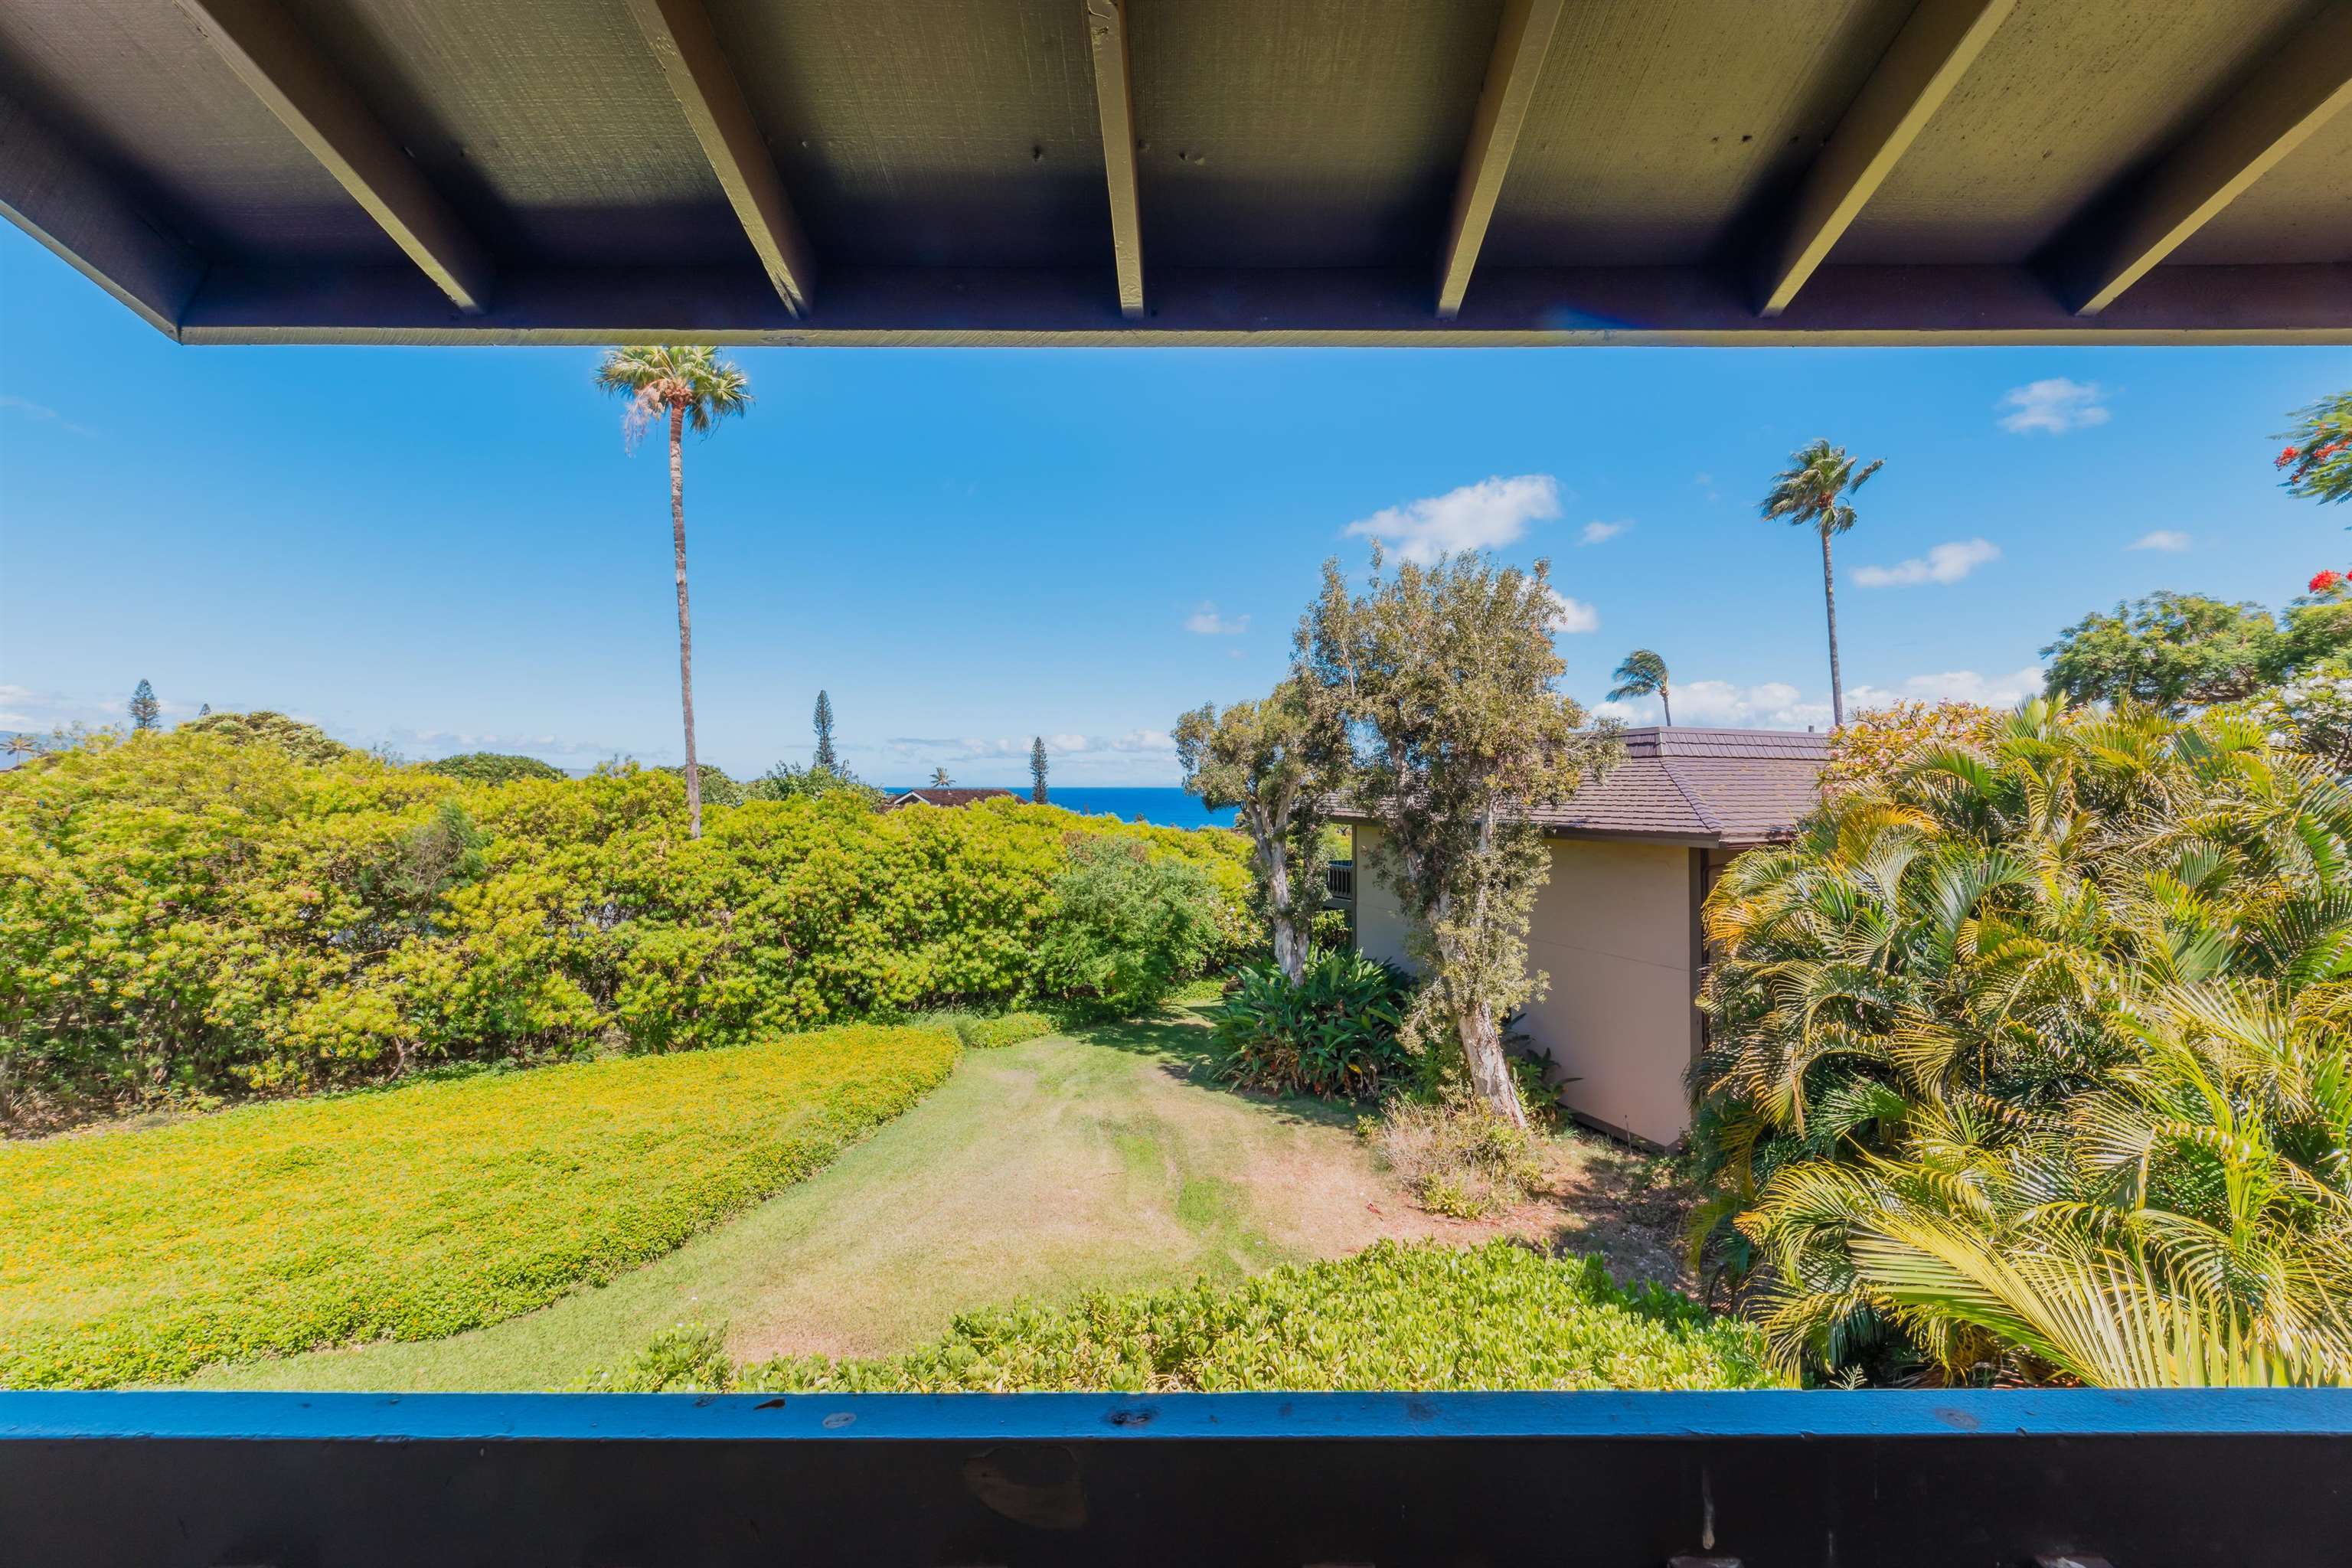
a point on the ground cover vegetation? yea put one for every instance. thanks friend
(196, 914)
(2029, 1061)
(1409, 1316)
(412, 1212)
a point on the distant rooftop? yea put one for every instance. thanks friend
(945, 795)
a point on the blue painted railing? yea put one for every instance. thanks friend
(1635, 1479)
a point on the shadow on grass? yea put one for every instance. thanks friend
(1180, 1038)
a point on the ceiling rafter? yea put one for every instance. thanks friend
(681, 37)
(1115, 101)
(1521, 43)
(2303, 84)
(288, 74)
(57, 196)
(1937, 44)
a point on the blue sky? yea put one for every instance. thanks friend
(445, 550)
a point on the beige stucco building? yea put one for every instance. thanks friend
(1617, 928)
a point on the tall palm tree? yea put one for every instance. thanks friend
(690, 386)
(1813, 492)
(1643, 674)
(940, 779)
(21, 745)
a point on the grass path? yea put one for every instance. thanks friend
(1036, 1172)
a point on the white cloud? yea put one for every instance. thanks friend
(2057, 405)
(1572, 614)
(2170, 539)
(1944, 563)
(1953, 686)
(1602, 532)
(1205, 622)
(32, 410)
(1476, 517)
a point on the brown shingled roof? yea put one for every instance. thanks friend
(1708, 786)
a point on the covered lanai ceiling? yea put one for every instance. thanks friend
(1192, 171)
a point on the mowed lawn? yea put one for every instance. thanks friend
(1111, 1160)
(416, 1212)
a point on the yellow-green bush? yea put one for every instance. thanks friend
(412, 1212)
(981, 1033)
(1423, 1317)
(187, 915)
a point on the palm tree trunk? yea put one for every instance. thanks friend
(1829, 597)
(1667, 700)
(685, 623)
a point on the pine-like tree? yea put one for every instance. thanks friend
(146, 714)
(1038, 770)
(824, 757)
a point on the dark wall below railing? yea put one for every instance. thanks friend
(1603, 1481)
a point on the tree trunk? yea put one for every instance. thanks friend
(1829, 597)
(1667, 700)
(1290, 932)
(684, 622)
(1490, 1069)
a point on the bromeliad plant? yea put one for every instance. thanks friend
(1332, 1033)
(2031, 1061)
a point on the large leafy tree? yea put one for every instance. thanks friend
(1813, 492)
(685, 386)
(1643, 673)
(1277, 762)
(2173, 652)
(1447, 679)
(2029, 1059)
(2317, 459)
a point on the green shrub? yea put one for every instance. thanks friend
(306, 742)
(1130, 929)
(416, 1212)
(978, 1032)
(190, 915)
(493, 767)
(1456, 1156)
(1333, 1033)
(1421, 1317)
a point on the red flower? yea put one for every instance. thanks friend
(2327, 581)
(2289, 455)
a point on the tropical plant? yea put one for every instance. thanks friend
(1128, 929)
(686, 385)
(20, 744)
(1446, 677)
(1643, 673)
(1277, 763)
(2317, 459)
(2312, 713)
(1037, 770)
(825, 759)
(940, 779)
(146, 714)
(1331, 1032)
(2030, 1060)
(1811, 493)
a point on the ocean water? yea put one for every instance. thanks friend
(1162, 807)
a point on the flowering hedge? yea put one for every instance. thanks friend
(185, 915)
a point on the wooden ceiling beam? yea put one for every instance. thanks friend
(2292, 94)
(57, 196)
(285, 70)
(1521, 43)
(1937, 44)
(1115, 101)
(681, 37)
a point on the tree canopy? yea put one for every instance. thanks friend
(2173, 651)
(1447, 679)
(2317, 459)
(494, 767)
